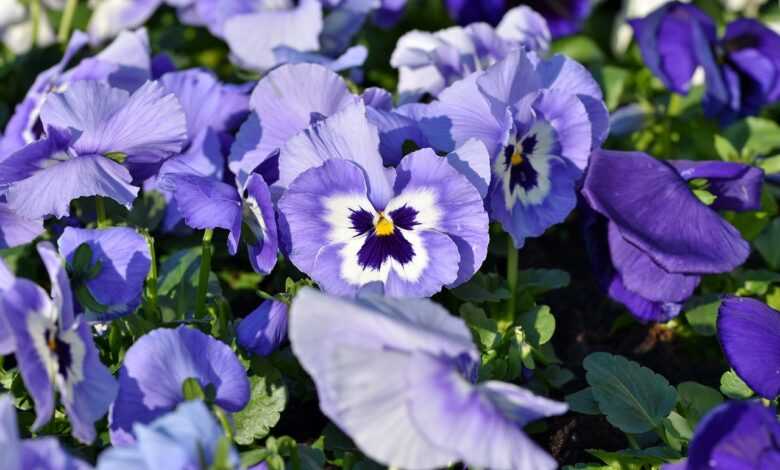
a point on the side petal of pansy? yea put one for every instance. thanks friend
(9, 434)
(446, 201)
(115, 274)
(749, 332)
(16, 230)
(61, 292)
(155, 368)
(265, 329)
(472, 160)
(259, 219)
(737, 187)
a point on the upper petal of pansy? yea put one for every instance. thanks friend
(112, 16)
(286, 101)
(569, 121)
(264, 330)
(511, 79)
(353, 57)
(16, 230)
(60, 284)
(750, 334)
(68, 180)
(395, 130)
(156, 366)
(260, 220)
(449, 202)
(124, 63)
(481, 424)
(525, 26)
(124, 260)
(347, 135)
(637, 193)
(208, 203)
(736, 186)
(252, 37)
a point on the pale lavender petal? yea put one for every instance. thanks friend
(260, 218)
(16, 230)
(60, 284)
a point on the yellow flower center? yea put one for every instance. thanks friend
(384, 227)
(517, 158)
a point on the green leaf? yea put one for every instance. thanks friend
(756, 136)
(482, 288)
(538, 325)
(118, 157)
(695, 400)
(706, 197)
(309, 458)
(635, 459)
(192, 390)
(556, 375)
(583, 402)
(539, 281)
(725, 149)
(148, 211)
(754, 282)
(580, 48)
(483, 327)
(770, 165)
(702, 313)
(677, 430)
(751, 224)
(177, 284)
(734, 387)
(613, 82)
(634, 398)
(267, 401)
(768, 244)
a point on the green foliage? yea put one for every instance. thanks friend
(734, 387)
(267, 401)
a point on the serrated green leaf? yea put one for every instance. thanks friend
(267, 401)
(634, 398)
(734, 387)
(583, 402)
(538, 325)
(538, 281)
(482, 288)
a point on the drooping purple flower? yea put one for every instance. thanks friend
(647, 260)
(348, 221)
(155, 369)
(186, 438)
(41, 453)
(565, 17)
(398, 377)
(749, 332)
(735, 435)
(742, 69)
(265, 329)
(93, 134)
(429, 62)
(540, 120)
(54, 351)
(108, 284)
(206, 203)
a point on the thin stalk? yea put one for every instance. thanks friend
(35, 17)
(512, 263)
(67, 20)
(151, 279)
(100, 209)
(205, 269)
(632, 441)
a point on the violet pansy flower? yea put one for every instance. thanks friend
(107, 269)
(93, 134)
(646, 260)
(41, 453)
(55, 351)
(398, 377)
(749, 332)
(429, 62)
(735, 435)
(265, 329)
(347, 221)
(540, 120)
(186, 438)
(155, 369)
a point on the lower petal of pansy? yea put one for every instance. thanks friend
(749, 332)
(643, 309)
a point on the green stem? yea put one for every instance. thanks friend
(205, 269)
(35, 17)
(100, 209)
(512, 263)
(632, 441)
(67, 19)
(151, 279)
(675, 106)
(224, 422)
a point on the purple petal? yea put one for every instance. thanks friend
(513, 78)
(60, 284)
(260, 217)
(395, 130)
(473, 161)
(527, 27)
(737, 186)
(16, 230)
(265, 329)
(112, 16)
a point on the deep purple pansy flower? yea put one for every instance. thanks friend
(186, 438)
(737, 436)
(107, 269)
(647, 260)
(155, 369)
(398, 377)
(348, 221)
(55, 351)
(564, 17)
(41, 453)
(94, 133)
(749, 332)
(265, 329)
(742, 69)
(429, 62)
(540, 120)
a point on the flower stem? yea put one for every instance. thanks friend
(151, 279)
(512, 263)
(100, 209)
(35, 18)
(67, 19)
(205, 269)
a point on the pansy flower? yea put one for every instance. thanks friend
(154, 371)
(564, 17)
(540, 120)
(265, 329)
(735, 435)
(41, 453)
(93, 134)
(107, 268)
(187, 438)
(347, 221)
(398, 376)
(749, 332)
(55, 351)
(429, 62)
(646, 260)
